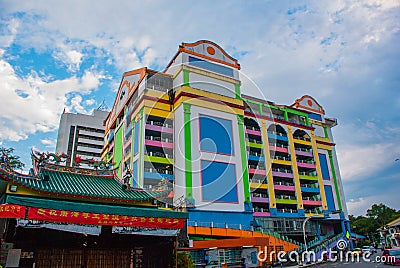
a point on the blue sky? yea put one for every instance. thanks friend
(72, 54)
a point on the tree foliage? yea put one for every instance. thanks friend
(9, 159)
(376, 217)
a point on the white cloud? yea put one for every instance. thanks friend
(49, 143)
(359, 206)
(358, 161)
(33, 104)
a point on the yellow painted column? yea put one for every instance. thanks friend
(268, 165)
(319, 172)
(295, 169)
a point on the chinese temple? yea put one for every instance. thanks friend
(60, 216)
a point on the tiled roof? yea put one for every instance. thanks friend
(68, 184)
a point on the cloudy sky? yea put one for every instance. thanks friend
(346, 54)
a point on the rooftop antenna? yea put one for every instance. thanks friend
(103, 106)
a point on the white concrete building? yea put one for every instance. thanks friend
(81, 135)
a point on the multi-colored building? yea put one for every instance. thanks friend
(234, 162)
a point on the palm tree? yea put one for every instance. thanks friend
(9, 160)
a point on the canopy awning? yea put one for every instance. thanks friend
(94, 214)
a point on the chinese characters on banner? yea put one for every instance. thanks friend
(77, 217)
(12, 211)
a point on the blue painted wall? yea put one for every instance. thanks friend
(218, 182)
(216, 135)
(329, 198)
(324, 166)
(210, 66)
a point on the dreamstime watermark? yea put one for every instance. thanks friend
(330, 255)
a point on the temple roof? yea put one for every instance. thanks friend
(76, 185)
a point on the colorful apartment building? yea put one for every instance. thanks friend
(232, 161)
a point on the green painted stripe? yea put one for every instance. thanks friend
(186, 77)
(188, 150)
(158, 159)
(307, 177)
(326, 133)
(237, 91)
(254, 145)
(286, 201)
(244, 159)
(140, 161)
(335, 180)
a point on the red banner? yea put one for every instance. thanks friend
(12, 211)
(53, 215)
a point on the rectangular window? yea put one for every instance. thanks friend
(210, 66)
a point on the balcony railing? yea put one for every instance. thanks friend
(155, 138)
(158, 170)
(255, 141)
(308, 185)
(287, 210)
(285, 183)
(306, 161)
(302, 149)
(254, 153)
(158, 154)
(157, 123)
(259, 195)
(252, 128)
(308, 173)
(257, 167)
(263, 181)
(283, 196)
(311, 211)
(258, 209)
(278, 157)
(278, 145)
(301, 138)
(282, 170)
(277, 133)
(311, 198)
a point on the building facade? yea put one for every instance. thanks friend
(232, 160)
(81, 136)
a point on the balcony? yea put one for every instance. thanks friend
(277, 136)
(283, 187)
(309, 188)
(311, 201)
(281, 172)
(302, 140)
(278, 148)
(253, 131)
(311, 211)
(287, 210)
(286, 199)
(158, 174)
(261, 212)
(253, 169)
(160, 127)
(158, 157)
(259, 198)
(159, 142)
(306, 163)
(283, 160)
(303, 152)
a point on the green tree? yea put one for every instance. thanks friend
(9, 159)
(381, 213)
